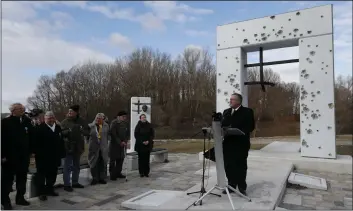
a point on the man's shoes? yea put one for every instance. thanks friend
(43, 197)
(141, 175)
(68, 188)
(242, 191)
(77, 185)
(102, 182)
(22, 201)
(94, 182)
(113, 178)
(146, 175)
(121, 176)
(53, 193)
(7, 206)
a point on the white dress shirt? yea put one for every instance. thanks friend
(51, 127)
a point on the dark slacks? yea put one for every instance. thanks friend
(98, 171)
(144, 162)
(115, 167)
(7, 179)
(46, 178)
(235, 163)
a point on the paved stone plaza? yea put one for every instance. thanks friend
(179, 174)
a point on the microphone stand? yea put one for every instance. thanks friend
(203, 190)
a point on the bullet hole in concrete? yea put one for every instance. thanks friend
(280, 32)
(264, 27)
(330, 50)
(226, 81)
(218, 90)
(312, 100)
(295, 35)
(236, 70)
(319, 147)
(225, 93)
(303, 71)
(298, 13)
(273, 29)
(322, 68)
(219, 74)
(327, 65)
(255, 39)
(318, 92)
(268, 35)
(317, 130)
(264, 38)
(295, 30)
(322, 16)
(310, 61)
(304, 143)
(309, 32)
(236, 86)
(308, 46)
(255, 35)
(302, 121)
(325, 72)
(232, 36)
(322, 62)
(312, 53)
(306, 76)
(329, 127)
(317, 45)
(301, 41)
(232, 80)
(289, 19)
(284, 36)
(312, 82)
(301, 35)
(263, 34)
(309, 131)
(236, 29)
(309, 125)
(238, 61)
(272, 17)
(245, 40)
(226, 57)
(291, 34)
(243, 30)
(314, 116)
(329, 154)
(330, 105)
(218, 44)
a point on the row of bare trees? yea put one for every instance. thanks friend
(182, 90)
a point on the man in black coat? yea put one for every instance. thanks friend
(236, 148)
(16, 147)
(49, 150)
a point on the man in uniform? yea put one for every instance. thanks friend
(120, 134)
(236, 148)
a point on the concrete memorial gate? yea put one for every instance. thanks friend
(311, 30)
(139, 105)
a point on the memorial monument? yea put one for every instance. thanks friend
(311, 30)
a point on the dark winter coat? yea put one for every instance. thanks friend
(17, 140)
(49, 147)
(144, 132)
(74, 130)
(120, 131)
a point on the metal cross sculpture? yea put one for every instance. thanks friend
(138, 106)
(261, 64)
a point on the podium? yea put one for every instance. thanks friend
(218, 134)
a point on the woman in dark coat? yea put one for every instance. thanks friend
(144, 135)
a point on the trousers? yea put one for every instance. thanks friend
(7, 179)
(235, 164)
(71, 165)
(144, 162)
(46, 178)
(115, 167)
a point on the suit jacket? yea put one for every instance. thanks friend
(49, 146)
(243, 119)
(120, 131)
(16, 142)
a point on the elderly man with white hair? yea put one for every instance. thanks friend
(16, 148)
(49, 150)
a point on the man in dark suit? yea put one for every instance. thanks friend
(16, 147)
(236, 148)
(49, 151)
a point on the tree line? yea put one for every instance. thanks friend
(183, 91)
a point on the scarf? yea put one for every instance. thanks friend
(99, 132)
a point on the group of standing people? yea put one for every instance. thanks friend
(51, 142)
